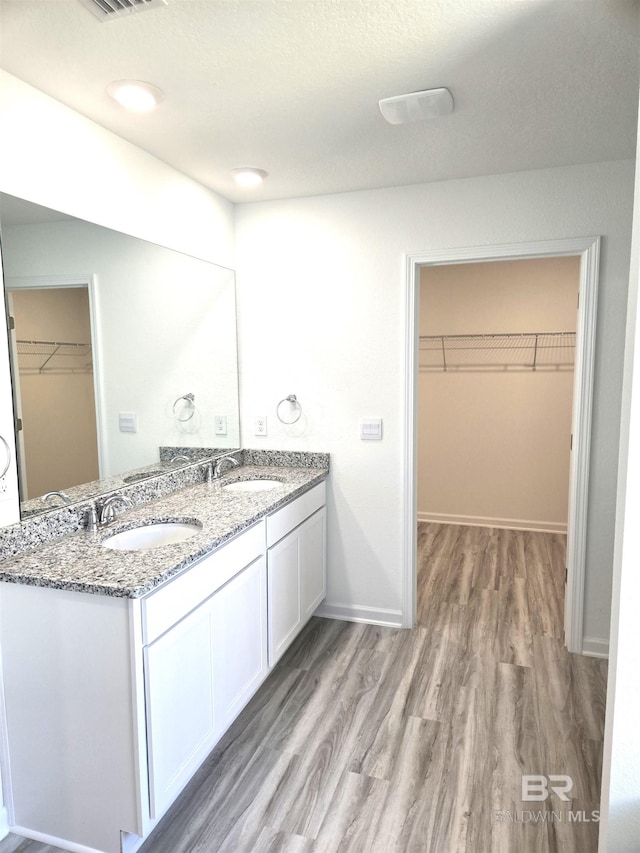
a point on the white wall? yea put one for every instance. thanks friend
(620, 808)
(165, 327)
(321, 289)
(53, 156)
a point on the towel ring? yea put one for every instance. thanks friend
(295, 405)
(8, 452)
(189, 399)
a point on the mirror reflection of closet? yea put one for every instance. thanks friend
(163, 324)
(54, 387)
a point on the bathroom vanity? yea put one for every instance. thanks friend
(122, 669)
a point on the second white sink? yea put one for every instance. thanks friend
(251, 485)
(152, 535)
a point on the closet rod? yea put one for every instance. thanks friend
(49, 349)
(523, 350)
(504, 335)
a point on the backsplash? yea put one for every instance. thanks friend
(288, 458)
(62, 521)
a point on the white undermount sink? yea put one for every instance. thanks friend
(251, 485)
(152, 535)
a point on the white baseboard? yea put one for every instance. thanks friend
(4, 823)
(23, 832)
(505, 523)
(130, 842)
(595, 647)
(355, 613)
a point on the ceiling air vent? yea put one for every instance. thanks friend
(109, 10)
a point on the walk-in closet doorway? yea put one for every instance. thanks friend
(56, 375)
(457, 344)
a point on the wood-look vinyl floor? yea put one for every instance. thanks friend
(375, 740)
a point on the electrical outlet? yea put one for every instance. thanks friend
(220, 424)
(3, 485)
(260, 425)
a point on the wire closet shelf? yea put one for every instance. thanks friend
(53, 357)
(548, 351)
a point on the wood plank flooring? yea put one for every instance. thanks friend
(374, 740)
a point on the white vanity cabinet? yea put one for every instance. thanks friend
(200, 669)
(112, 703)
(296, 567)
(198, 677)
(179, 700)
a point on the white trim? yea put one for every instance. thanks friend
(581, 452)
(129, 842)
(588, 248)
(356, 613)
(410, 484)
(89, 281)
(62, 843)
(502, 523)
(5, 762)
(4, 823)
(595, 647)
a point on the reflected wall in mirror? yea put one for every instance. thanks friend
(142, 326)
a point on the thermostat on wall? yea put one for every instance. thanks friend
(371, 429)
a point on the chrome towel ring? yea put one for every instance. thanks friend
(295, 409)
(8, 452)
(189, 406)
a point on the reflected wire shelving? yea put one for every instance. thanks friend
(547, 351)
(53, 357)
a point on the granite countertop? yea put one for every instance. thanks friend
(79, 562)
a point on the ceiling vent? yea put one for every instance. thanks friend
(109, 10)
(416, 106)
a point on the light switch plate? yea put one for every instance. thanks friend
(128, 422)
(371, 429)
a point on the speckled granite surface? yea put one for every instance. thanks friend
(299, 459)
(193, 454)
(118, 482)
(61, 521)
(79, 562)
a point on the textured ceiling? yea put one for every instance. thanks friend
(292, 86)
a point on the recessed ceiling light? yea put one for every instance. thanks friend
(248, 176)
(135, 95)
(416, 106)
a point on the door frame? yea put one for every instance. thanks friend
(68, 281)
(588, 249)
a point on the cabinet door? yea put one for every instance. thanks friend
(239, 614)
(283, 564)
(297, 581)
(181, 721)
(313, 564)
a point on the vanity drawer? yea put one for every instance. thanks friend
(171, 602)
(284, 520)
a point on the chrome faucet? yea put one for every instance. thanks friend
(217, 470)
(63, 495)
(180, 458)
(108, 509)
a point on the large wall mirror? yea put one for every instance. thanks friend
(119, 348)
